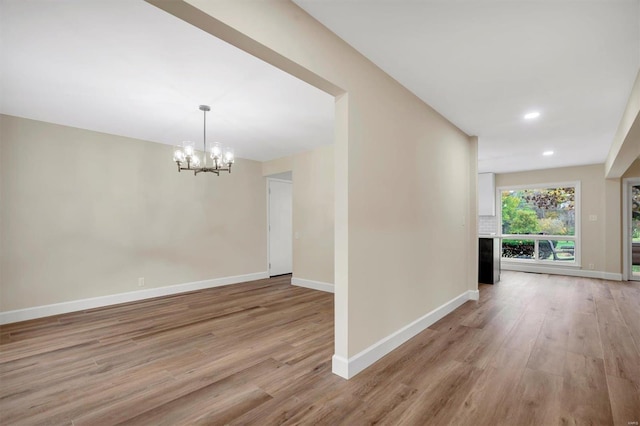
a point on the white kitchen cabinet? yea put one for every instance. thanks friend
(486, 194)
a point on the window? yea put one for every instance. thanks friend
(539, 223)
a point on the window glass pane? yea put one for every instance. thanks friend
(557, 250)
(518, 249)
(545, 211)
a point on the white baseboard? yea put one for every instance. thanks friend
(316, 285)
(340, 367)
(114, 299)
(612, 276)
(558, 270)
(348, 368)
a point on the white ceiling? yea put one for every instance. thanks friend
(127, 68)
(483, 64)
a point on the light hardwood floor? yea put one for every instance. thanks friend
(536, 349)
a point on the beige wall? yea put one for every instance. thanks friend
(403, 191)
(633, 170)
(600, 239)
(313, 211)
(279, 165)
(409, 195)
(84, 214)
(313, 215)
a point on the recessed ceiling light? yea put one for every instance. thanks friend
(531, 115)
(547, 153)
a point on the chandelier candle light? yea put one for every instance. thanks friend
(185, 153)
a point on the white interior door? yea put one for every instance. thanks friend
(280, 228)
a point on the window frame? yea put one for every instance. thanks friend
(577, 263)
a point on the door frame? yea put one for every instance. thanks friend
(268, 181)
(627, 183)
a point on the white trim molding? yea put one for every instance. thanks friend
(315, 285)
(611, 276)
(627, 225)
(114, 299)
(348, 368)
(557, 270)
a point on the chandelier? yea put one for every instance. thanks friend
(221, 157)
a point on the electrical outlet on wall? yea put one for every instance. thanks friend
(141, 282)
(592, 266)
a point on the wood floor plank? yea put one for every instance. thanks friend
(384, 408)
(555, 330)
(620, 353)
(547, 359)
(294, 399)
(536, 400)
(524, 334)
(583, 336)
(583, 299)
(535, 349)
(454, 318)
(627, 298)
(65, 402)
(585, 397)
(483, 314)
(219, 401)
(442, 396)
(625, 401)
(608, 312)
(490, 400)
